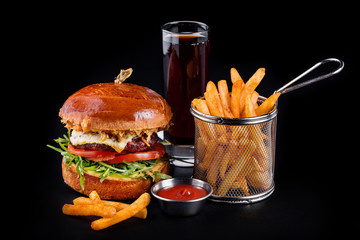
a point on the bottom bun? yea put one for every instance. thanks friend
(114, 189)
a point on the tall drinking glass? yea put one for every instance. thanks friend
(185, 60)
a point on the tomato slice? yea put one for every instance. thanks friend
(93, 155)
(113, 157)
(156, 152)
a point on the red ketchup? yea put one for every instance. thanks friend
(182, 192)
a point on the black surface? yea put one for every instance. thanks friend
(67, 48)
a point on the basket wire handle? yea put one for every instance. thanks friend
(286, 88)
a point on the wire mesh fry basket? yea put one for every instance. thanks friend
(236, 156)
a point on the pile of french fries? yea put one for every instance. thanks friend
(242, 103)
(233, 158)
(111, 212)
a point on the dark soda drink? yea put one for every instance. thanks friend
(185, 59)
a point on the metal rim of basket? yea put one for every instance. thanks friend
(244, 199)
(235, 121)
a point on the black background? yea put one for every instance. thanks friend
(63, 48)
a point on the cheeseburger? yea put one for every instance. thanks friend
(112, 145)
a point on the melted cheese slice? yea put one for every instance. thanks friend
(79, 138)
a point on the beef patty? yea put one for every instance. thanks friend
(136, 145)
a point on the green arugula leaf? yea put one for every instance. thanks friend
(137, 169)
(161, 175)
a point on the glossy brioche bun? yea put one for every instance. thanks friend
(114, 189)
(115, 107)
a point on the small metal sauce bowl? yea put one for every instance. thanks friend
(176, 207)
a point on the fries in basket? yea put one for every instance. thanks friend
(235, 157)
(218, 101)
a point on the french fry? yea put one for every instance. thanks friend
(94, 197)
(241, 183)
(225, 98)
(254, 99)
(213, 100)
(226, 162)
(204, 131)
(117, 205)
(202, 147)
(255, 79)
(237, 168)
(235, 76)
(249, 110)
(262, 156)
(201, 106)
(235, 98)
(139, 204)
(88, 210)
(268, 104)
(258, 177)
(213, 159)
(262, 151)
(251, 85)
(259, 180)
(228, 113)
(212, 173)
(224, 93)
(240, 132)
(211, 149)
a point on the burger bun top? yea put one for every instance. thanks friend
(115, 107)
